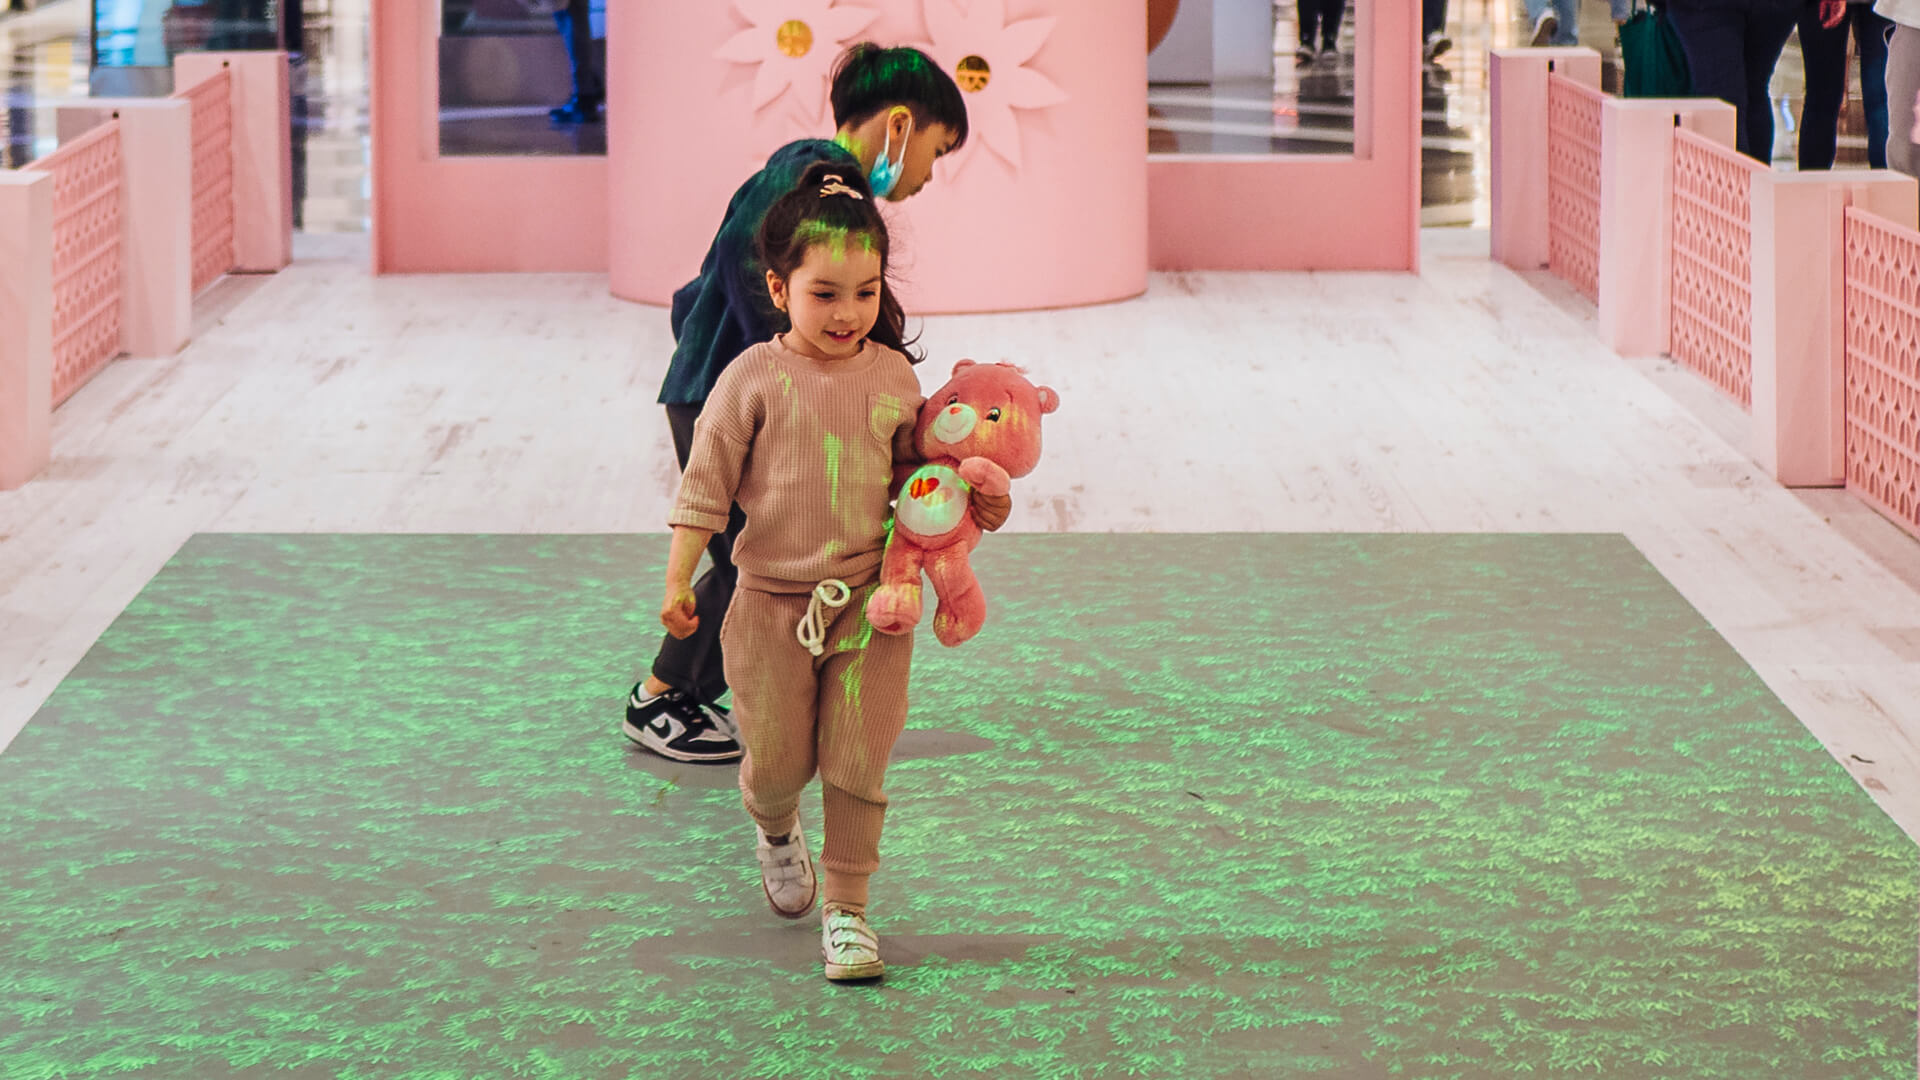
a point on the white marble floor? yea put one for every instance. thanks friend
(1463, 399)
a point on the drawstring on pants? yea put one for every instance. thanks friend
(812, 631)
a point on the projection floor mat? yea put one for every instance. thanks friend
(1190, 806)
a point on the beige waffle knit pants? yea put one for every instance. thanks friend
(837, 714)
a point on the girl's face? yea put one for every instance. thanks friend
(833, 297)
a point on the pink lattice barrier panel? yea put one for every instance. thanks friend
(1712, 264)
(1573, 183)
(212, 177)
(86, 256)
(1883, 366)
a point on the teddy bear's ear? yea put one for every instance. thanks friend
(962, 366)
(1049, 401)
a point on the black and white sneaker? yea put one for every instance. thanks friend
(675, 726)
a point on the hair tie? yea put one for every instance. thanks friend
(835, 186)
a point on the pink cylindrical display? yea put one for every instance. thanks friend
(1046, 206)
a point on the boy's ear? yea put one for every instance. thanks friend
(899, 121)
(777, 289)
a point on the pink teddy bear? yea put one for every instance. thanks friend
(979, 431)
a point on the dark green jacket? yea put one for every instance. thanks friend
(717, 315)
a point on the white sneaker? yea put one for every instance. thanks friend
(848, 945)
(1544, 27)
(786, 873)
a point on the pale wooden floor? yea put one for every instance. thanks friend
(1464, 399)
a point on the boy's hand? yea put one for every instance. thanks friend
(677, 613)
(990, 511)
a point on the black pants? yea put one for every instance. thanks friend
(576, 29)
(693, 665)
(1324, 17)
(1825, 51)
(1731, 53)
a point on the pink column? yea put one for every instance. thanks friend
(1636, 213)
(26, 324)
(1799, 314)
(451, 215)
(262, 152)
(156, 216)
(1518, 164)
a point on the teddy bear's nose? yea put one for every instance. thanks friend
(953, 410)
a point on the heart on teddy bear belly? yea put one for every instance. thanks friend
(933, 501)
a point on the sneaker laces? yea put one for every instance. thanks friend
(701, 722)
(723, 721)
(812, 631)
(850, 938)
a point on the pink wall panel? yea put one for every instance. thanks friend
(1309, 212)
(434, 214)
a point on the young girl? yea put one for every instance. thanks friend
(804, 433)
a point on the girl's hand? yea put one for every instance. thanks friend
(1832, 12)
(677, 612)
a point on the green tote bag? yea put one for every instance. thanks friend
(1653, 63)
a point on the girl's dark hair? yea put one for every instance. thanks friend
(804, 217)
(868, 78)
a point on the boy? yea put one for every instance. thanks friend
(896, 112)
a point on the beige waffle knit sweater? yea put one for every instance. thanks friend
(807, 449)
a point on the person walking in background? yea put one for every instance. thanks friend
(1319, 22)
(1823, 44)
(575, 22)
(1732, 47)
(1903, 80)
(1557, 22)
(1433, 29)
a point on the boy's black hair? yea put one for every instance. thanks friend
(868, 78)
(804, 217)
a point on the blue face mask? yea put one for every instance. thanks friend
(885, 174)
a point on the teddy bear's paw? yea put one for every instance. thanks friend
(953, 630)
(984, 476)
(894, 609)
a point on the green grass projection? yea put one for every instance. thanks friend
(1303, 805)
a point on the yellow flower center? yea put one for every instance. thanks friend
(973, 74)
(795, 38)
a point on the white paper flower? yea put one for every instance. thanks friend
(795, 43)
(987, 56)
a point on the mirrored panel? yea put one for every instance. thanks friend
(1250, 76)
(44, 66)
(135, 41)
(522, 77)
